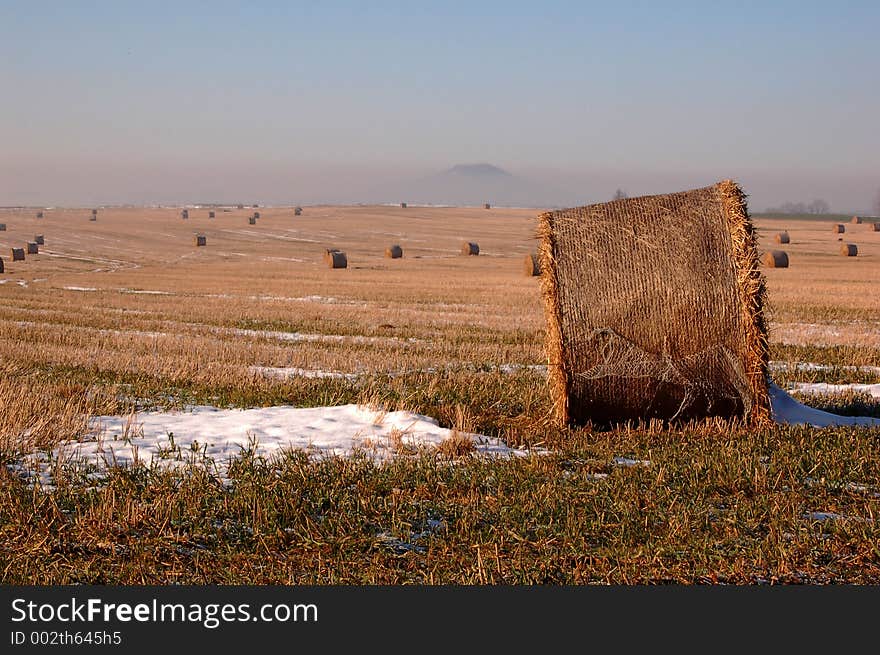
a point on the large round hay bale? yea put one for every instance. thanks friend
(838, 228)
(252, 220)
(18, 254)
(338, 259)
(394, 252)
(775, 259)
(297, 211)
(470, 248)
(856, 220)
(39, 214)
(211, 214)
(2, 227)
(532, 265)
(33, 248)
(201, 240)
(781, 237)
(849, 250)
(40, 240)
(641, 324)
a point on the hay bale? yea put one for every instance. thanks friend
(94, 212)
(2, 266)
(184, 214)
(201, 240)
(403, 205)
(252, 220)
(775, 259)
(297, 211)
(856, 220)
(781, 237)
(33, 248)
(239, 206)
(838, 228)
(486, 205)
(394, 252)
(18, 254)
(254, 206)
(2, 227)
(642, 324)
(256, 214)
(337, 259)
(39, 214)
(532, 265)
(849, 250)
(211, 214)
(328, 254)
(470, 248)
(875, 227)
(40, 240)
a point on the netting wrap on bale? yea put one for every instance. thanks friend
(654, 309)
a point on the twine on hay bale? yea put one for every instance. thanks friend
(775, 259)
(470, 248)
(297, 211)
(39, 239)
(33, 248)
(856, 220)
(838, 228)
(849, 250)
(18, 254)
(532, 265)
(201, 240)
(394, 252)
(643, 325)
(781, 237)
(336, 259)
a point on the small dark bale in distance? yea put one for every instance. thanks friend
(39, 214)
(470, 248)
(775, 259)
(256, 214)
(239, 206)
(781, 237)
(201, 240)
(532, 265)
(338, 259)
(184, 214)
(33, 248)
(254, 206)
(849, 250)
(838, 228)
(40, 240)
(2, 227)
(18, 254)
(486, 205)
(856, 220)
(252, 220)
(297, 211)
(403, 205)
(875, 227)
(394, 252)
(94, 212)
(211, 214)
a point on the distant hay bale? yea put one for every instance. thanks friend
(39, 214)
(2, 227)
(2, 266)
(532, 265)
(201, 240)
(486, 205)
(297, 211)
(856, 220)
(93, 218)
(252, 220)
(211, 214)
(239, 206)
(94, 212)
(403, 205)
(781, 237)
(33, 248)
(643, 325)
(775, 259)
(18, 254)
(256, 214)
(328, 254)
(875, 227)
(849, 250)
(394, 252)
(254, 206)
(184, 214)
(337, 259)
(470, 248)
(838, 228)
(39, 239)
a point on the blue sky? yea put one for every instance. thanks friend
(141, 102)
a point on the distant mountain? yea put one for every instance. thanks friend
(473, 185)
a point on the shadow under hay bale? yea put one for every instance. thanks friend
(532, 265)
(18, 254)
(781, 237)
(33, 248)
(643, 325)
(470, 248)
(201, 240)
(856, 220)
(298, 211)
(394, 252)
(336, 259)
(40, 240)
(775, 259)
(838, 228)
(849, 250)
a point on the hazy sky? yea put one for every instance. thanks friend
(320, 101)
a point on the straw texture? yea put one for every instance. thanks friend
(654, 309)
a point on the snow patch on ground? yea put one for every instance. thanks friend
(284, 373)
(872, 390)
(79, 288)
(786, 409)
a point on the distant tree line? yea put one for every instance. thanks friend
(817, 206)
